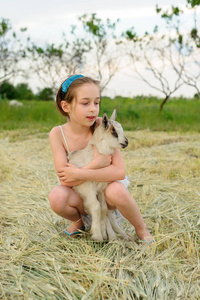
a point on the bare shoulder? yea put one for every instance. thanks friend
(55, 137)
(55, 134)
(54, 131)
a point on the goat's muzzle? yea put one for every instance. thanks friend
(125, 144)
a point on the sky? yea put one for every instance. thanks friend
(47, 20)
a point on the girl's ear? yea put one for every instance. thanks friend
(105, 121)
(65, 106)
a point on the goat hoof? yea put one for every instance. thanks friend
(97, 238)
(104, 234)
(112, 237)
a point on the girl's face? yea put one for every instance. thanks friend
(84, 108)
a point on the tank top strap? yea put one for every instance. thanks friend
(64, 139)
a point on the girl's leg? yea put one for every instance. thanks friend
(118, 197)
(67, 204)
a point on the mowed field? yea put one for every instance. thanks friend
(38, 262)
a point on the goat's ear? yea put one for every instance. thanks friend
(113, 116)
(105, 121)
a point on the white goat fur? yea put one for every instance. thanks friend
(106, 138)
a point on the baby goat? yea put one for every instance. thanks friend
(106, 138)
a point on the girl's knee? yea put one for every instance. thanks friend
(116, 193)
(57, 197)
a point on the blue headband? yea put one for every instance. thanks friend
(68, 81)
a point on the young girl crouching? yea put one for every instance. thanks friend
(78, 99)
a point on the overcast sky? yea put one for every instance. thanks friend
(47, 20)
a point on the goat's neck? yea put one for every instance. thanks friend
(101, 142)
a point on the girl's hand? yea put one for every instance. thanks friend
(100, 160)
(72, 173)
(69, 173)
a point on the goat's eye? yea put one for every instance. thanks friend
(114, 133)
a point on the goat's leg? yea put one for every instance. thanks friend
(87, 192)
(92, 205)
(109, 229)
(116, 227)
(104, 210)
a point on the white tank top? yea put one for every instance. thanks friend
(64, 139)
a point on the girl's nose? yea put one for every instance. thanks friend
(92, 107)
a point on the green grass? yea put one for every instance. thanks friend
(41, 115)
(134, 114)
(143, 113)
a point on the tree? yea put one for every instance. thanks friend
(160, 53)
(53, 62)
(103, 59)
(46, 94)
(8, 90)
(12, 51)
(193, 3)
(150, 56)
(21, 91)
(24, 92)
(187, 45)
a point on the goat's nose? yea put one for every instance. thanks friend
(125, 143)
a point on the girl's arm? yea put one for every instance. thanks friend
(115, 171)
(60, 158)
(58, 150)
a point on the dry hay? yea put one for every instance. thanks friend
(38, 262)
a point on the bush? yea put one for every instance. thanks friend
(46, 94)
(24, 92)
(7, 90)
(21, 91)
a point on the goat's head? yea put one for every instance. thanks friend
(115, 131)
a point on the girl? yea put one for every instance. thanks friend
(78, 99)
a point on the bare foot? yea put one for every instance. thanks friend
(75, 226)
(144, 234)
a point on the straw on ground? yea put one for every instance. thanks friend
(38, 262)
